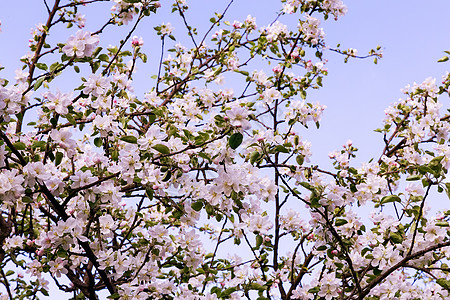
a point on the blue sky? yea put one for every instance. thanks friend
(412, 37)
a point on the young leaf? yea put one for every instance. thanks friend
(390, 198)
(38, 83)
(340, 222)
(129, 139)
(414, 177)
(162, 148)
(20, 146)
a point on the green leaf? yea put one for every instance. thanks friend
(204, 156)
(39, 144)
(42, 66)
(103, 57)
(143, 57)
(425, 169)
(209, 209)
(281, 148)
(257, 286)
(435, 162)
(228, 292)
(95, 65)
(151, 118)
(54, 122)
(26, 199)
(167, 176)
(98, 142)
(9, 273)
(242, 72)
(259, 241)
(308, 186)
(377, 271)
(314, 290)
(447, 190)
(396, 237)
(162, 148)
(300, 159)
(319, 81)
(149, 193)
(315, 202)
(146, 12)
(38, 83)
(62, 253)
(129, 139)
(197, 206)
(443, 59)
(115, 155)
(20, 146)
(390, 198)
(71, 119)
(44, 292)
(303, 94)
(414, 177)
(444, 283)
(58, 158)
(54, 66)
(254, 157)
(340, 222)
(235, 140)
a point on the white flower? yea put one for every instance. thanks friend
(166, 28)
(311, 30)
(106, 224)
(270, 94)
(238, 117)
(81, 179)
(96, 85)
(329, 286)
(58, 101)
(258, 223)
(81, 45)
(276, 30)
(13, 242)
(57, 267)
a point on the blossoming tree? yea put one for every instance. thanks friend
(192, 191)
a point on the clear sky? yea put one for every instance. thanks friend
(413, 35)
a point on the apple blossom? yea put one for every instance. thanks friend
(81, 45)
(199, 191)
